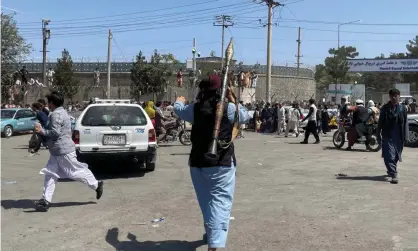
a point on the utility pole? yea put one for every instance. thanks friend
(109, 54)
(270, 4)
(46, 34)
(298, 56)
(225, 22)
(194, 68)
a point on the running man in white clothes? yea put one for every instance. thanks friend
(63, 161)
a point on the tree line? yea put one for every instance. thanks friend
(335, 70)
(146, 76)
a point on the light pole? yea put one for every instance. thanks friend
(355, 21)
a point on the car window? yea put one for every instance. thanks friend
(20, 114)
(29, 114)
(114, 116)
(7, 114)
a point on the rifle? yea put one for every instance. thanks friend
(213, 147)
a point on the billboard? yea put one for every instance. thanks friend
(383, 65)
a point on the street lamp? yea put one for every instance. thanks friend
(355, 21)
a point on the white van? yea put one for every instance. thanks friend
(115, 130)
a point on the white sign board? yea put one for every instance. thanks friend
(383, 65)
(189, 64)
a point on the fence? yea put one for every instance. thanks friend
(127, 66)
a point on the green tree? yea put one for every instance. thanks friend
(14, 49)
(152, 76)
(335, 69)
(64, 80)
(412, 78)
(322, 78)
(139, 76)
(212, 53)
(336, 63)
(412, 48)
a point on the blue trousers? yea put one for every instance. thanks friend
(392, 154)
(214, 188)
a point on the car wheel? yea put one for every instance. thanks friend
(8, 131)
(413, 136)
(150, 166)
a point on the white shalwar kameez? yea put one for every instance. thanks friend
(281, 120)
(65, 167)
(293, 123)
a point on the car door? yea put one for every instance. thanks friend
(20, 120)
(30, 119)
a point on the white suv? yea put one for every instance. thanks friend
(115, 130)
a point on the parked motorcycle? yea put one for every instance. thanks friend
(176, 130)
(372, 144)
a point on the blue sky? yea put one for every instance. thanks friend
(170, 26)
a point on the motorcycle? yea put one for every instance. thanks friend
(177, 130)
(372, 143)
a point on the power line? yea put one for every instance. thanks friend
(152, 17)
(354, 24)
(332, 22)
(132, 13)
(117, 45)
(327, 30)
(190, 20)
(148, 20)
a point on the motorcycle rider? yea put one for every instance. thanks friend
(360, 117)
(159, 122)
(373, 113)
(344, 107)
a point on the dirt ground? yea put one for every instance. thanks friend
(287, 198)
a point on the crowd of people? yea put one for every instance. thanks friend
(214, 177)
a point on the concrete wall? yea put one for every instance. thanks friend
(283, 87)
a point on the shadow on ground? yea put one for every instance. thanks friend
(112, 237)
(28, 204)
(371, 178)
(343, 149)
(179, 154)
(121, 171)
